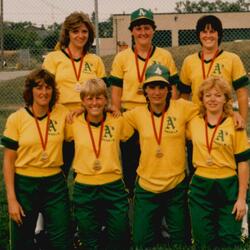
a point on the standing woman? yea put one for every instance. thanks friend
(99, 194)
(217, 196)
(72, 65)
(33, 139)
(161, 187)
(127, 76)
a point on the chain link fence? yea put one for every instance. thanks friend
(30, 29)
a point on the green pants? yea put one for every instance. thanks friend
(48, 195)
(211, 203)
(102, 205)
(149, 210)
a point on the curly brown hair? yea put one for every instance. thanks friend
(221, 84)
(32, 81)
(72, 22)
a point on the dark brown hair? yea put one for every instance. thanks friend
(32, 81)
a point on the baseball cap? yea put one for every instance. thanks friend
(141, 14)
(157, 73)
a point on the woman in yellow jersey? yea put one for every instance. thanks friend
(161, 187)
(217, 196)
(72, 65)
(33, 139)
(99, 194)
(127, 76)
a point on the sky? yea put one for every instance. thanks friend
(49, 11)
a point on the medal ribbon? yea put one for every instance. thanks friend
(96, 151)
(140, 76)
(158, 139)
(209, 144)
(43, 143)
(210, 66)
(77, 74)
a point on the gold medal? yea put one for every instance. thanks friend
(140, 91)
(77, 87)
(159, 153)
(209, 161)
(44, 156)
(97, 165)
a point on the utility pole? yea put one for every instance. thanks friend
(1, 34)
(96, 28)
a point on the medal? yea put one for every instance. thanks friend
(140, 91)
(209, 161)
(44, 155)
(97, 164)
(159, 152)
(77, 74)
(210, 144)
(78, 87)
(141, 76)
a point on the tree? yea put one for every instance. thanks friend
(188, 6)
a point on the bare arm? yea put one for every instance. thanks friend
(242, 97)
(116, 95)
(14, 208)
(240, 205)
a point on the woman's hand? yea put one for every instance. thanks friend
(16, 212)
(239, 209)
(72, 114)
(115, 111)
(239, 122)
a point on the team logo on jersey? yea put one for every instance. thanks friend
(87, 67)
(53, 127)
(108, 133)
(221, 138)
(170, 125)
(217, 69)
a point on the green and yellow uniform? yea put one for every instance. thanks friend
(226, 64)
(100, 192)
(161, 188)
(40, 185)
(59, 64)
(124, 74)
(214, 187)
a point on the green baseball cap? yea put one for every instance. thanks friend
(140, 14)
(157, 73)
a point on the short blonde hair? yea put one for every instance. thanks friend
(222, 85)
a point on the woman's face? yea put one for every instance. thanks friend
(42, 94)
(156, 94)
(209, 38)
(214, 100)
(94, 105)
(143, 34)
(79, 36)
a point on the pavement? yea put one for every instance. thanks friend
(9, 75)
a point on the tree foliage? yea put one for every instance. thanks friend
(215, 6)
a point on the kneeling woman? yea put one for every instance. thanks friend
(34, 181)
(99, 193)
(217, 197)
(161, 188)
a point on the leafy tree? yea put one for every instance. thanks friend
(188, 6)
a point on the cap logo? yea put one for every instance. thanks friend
(158, 71)
(142, 12)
